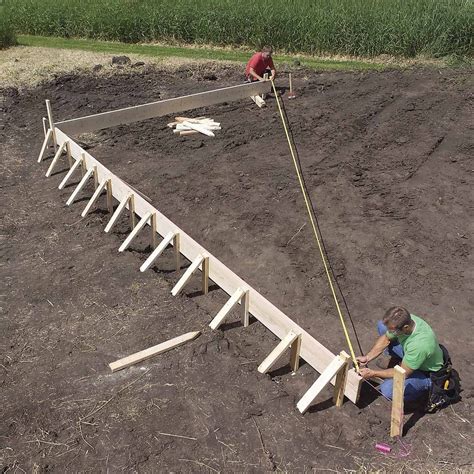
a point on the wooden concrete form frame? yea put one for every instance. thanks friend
(200, 259)
(236, 297)
(56, 159)
(158, 251)
(339, 363)
(396, 425)
(153, 351)
(126, 202)
(82, 183)
(104, 185)
(290, 340)
(142, 223)
(161, 108)
(51, 124)
(73, 168)
(312, 351)
(47, 138)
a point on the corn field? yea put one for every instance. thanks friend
(405, 28)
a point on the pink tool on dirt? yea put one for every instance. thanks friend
(383, 448)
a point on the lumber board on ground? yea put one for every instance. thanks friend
(312, 351)
(160, 108)
(153, 351)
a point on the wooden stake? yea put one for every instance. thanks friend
(118, 211)
(276, 353)
(51, 123)
(246, 303)
(265, 78)
(396, 426)
(103, 185)
(47, 138)
(341, 379)
(135, 231)
(84, 164)
(227, 308)
(157, 252)
(56, 159)
(79, 187)
(153, 230)
(131, 208)
(69, 156)
(110, 202)
(45, 126)
(153, 351)
(295, 354)
(205, 275)
(177, 251)
(331, 370)
(96, 178)
(187, 275)
(74, 167)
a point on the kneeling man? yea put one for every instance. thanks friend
(411, 343)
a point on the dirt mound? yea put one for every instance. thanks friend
(388, 162)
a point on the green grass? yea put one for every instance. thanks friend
(7, 33)
(190, 53)
(403, 28)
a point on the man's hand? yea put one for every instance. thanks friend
(362, 360)
(367, 373)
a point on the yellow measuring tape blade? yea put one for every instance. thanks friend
(315, 229)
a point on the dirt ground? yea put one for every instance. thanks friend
(388, 162)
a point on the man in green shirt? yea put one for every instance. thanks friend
(411, 340)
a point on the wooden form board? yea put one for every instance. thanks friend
(312, 351)
(160, 108)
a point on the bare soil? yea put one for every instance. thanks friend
(388, 162)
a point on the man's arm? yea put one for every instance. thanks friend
(380, 345)
(254, 74)
(384, 374)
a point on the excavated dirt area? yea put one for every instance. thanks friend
(388, 163)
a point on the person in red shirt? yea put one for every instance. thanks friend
(259, 64)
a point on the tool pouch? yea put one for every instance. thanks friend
(445, 385)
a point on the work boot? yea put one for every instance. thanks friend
(387, 362)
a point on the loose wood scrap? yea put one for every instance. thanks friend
(153, 351)
(190, 126)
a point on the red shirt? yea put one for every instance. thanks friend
(258, 63)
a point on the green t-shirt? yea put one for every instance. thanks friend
(421, 348)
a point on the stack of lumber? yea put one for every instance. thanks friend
(190, 126)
